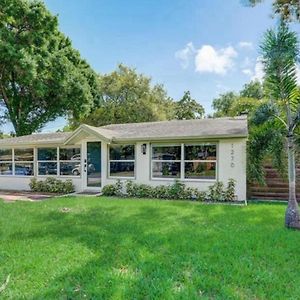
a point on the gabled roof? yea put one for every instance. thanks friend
(99, 132)
(147, 131)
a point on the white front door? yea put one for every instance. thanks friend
(91, 167)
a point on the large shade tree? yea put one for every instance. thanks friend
(41, 75)
(281, 116)
(223, 103)
(127, 97)
(188, 108)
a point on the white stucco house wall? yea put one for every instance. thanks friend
(196, 152)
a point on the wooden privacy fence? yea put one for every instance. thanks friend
(276, 188)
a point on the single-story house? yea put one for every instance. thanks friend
(196, 152)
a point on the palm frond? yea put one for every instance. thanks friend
(280, 54)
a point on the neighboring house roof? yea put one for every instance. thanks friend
(164, 130)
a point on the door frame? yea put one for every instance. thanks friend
(85, 186)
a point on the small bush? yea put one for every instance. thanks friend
(216, 192)
(230, 190)
(109, 190)
(160, 192)
(119, 188)
(52, 185)
(177, 190)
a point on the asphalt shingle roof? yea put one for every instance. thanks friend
(164, 130)
(220, 127)
(37, 138)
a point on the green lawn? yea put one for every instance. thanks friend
(145, 249)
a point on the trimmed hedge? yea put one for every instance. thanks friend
(52, 185)
(178, 190)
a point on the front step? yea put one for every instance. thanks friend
(88, 193)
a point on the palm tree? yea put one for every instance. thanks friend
(280, 54)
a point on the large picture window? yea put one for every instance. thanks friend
(50, 161)
(185, 161)
(166, 161)
(17, 162)
(59, 161)
(200, 161)
(121, 160)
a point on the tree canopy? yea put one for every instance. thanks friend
(253, 89)
(41, 75)
(244, 102)
(188, 108)
(128, 97)
(223, 104)
(288, 10)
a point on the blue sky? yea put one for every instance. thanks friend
(205, 46)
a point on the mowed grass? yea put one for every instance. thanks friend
(105, 248)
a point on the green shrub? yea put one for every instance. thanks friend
(109, 190)
(130, 188)
(52, 185)
(177, 190)
(230, 190)
(119, 188)
(160, 192)
(216, 192)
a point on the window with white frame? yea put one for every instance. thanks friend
(59, 161)
(69, 161)
(47, 161)
(121, 161)
(6, 162)
(17, 162)
(184, 161)
(200, 161)
(166, 161)
(24, 161)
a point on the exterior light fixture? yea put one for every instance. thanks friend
(144, 148)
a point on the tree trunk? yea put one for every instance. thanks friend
(292, 218)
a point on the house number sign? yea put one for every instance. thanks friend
(232, 164)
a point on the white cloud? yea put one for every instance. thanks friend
(246, 45)
(258, 71)
(184, 55)
(247, 72)
(211, 60)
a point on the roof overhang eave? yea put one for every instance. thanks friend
(172, 138)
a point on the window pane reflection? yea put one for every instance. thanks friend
(166, 169)
(122, 169)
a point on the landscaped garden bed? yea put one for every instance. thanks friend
(216, 193)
